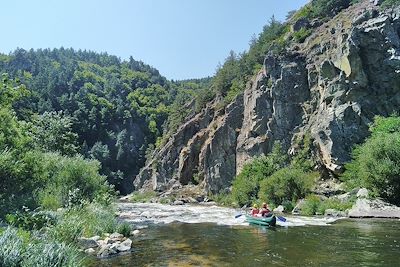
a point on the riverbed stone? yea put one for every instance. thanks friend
(106, 251)
(86, 243)
(116, 236)
(123, 246)
(135, 232)
(280, 208)
(178, 202)
(90, 251)
(377, 208)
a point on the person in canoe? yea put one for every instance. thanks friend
(264, 212)
(254, 210)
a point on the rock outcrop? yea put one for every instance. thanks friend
(329, 89)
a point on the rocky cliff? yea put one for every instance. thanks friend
(328, 88)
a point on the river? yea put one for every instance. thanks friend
(212, 236)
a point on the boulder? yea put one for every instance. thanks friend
(116, 236)
(123, 246)
(362, 193)
(106, 251)
(377, 208)
(90, 251)
(280, 208)
(135, 232)
(178, 202)
(86, 243)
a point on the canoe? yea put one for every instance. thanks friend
(264, 221)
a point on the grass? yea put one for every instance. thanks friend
(20, 249)
(143, 196)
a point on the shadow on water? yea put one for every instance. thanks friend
(345, 243)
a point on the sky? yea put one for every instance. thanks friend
(181, 38)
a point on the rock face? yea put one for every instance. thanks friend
(327, 89)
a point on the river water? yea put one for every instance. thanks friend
(212, 236)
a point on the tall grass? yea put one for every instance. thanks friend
(19, 249)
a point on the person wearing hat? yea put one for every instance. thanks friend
(254, 210)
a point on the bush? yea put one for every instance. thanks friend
(142, 196)
(247, 184)
(69, 180)
(311, 205)
(51, 254)
(15, 251)
(314, 204)
(301, 35)
(124, 229)
(31, 220)
(287, 184)
(12, 248)
(90, 220)
(376, 163)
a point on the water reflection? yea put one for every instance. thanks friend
(345, 243)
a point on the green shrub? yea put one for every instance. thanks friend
(311, 205)
(389, 3)
(376, 163)
(11, 248)
(124, 228)
(69, 180)
(89, 220)
(301, 35)
(19, 249)
(31, 220)
(224, 199)
(247, 184)
(51, 254)
(287, 184)
(142, 196)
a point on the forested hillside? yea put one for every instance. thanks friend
(114, 109)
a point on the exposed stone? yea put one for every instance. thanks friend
(328, 90)
(86, 243)
(123, 246)
(135, 232)
(90, 251)
(365, 208)
(280, 208)
(106, 251)
(362, 193)
(178, 202)
(116, 236)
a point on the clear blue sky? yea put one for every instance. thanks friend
(181, 38)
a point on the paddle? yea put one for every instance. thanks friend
(282, 219)
(238, 215)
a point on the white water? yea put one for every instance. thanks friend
(142, 214)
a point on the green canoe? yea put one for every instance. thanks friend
(264, 221)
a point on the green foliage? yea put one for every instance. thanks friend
(89, 220)
(52, 131)
(301, 35)
(31, 220)
(223, 199)
(12, 248)
(51, 254)
(68, 179)
(303, 157)
(376, 163)
(124, 229)
(313, 204)
(287, 184)
(18, 250)
(231, 78)
(82, 97)
(246, 185)
(322, 9)
(389, 3)
(142, 197)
